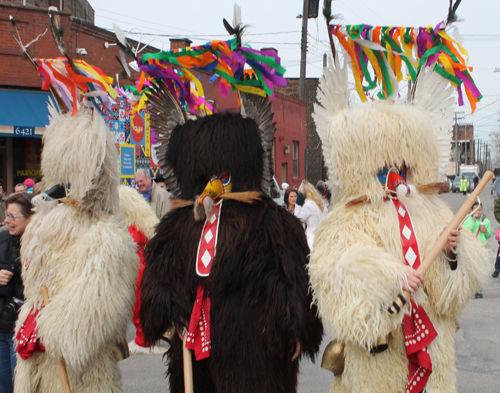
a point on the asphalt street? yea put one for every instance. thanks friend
(477, 343)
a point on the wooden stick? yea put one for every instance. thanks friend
(61, 366)
(398, 304)
(188, 365)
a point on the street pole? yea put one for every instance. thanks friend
(456, 144)
(479, 158)
(303, 51)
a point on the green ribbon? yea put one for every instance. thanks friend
(394, 45)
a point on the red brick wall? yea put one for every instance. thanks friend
(290, 115)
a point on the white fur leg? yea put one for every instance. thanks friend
(135, 349)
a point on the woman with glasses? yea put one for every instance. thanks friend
(17, 217)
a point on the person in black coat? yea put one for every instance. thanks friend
(18, 214)
(262, 321)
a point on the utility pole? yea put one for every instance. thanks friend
(303, 51)
(479, 158)
(486, 157)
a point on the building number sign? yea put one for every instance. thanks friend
(24, 131)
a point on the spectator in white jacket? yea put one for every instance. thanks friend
(311, 212)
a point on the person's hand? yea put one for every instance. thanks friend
(414, 280)
(452, 242)
(482, 228)
(298, 349)
(5, 277)
(476, 215)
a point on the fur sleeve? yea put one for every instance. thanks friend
(450, 290)
(166, 299)
(94, 306)
(299, 316)
(354, 280)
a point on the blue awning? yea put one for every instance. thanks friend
(23, 113)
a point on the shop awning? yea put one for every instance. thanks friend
(23, 113)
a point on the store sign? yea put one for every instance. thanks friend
(28, 173)
(127, 161)
(24, 132)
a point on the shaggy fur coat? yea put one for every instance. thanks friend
(356, 268)
(258, 286)
(85, 257)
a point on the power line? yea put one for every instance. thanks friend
(373, 12)
(196, 33)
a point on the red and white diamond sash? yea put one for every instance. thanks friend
(417, 327)
(208, 242)
(198, 338)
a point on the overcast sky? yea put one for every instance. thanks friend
(274, 23)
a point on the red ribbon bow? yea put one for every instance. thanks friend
(27, 336)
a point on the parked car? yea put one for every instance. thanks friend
(496, 190)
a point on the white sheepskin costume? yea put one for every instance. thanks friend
(137, 211)
(86, 258)
(356, 267)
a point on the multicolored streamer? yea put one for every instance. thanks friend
(387, 48)
(239, 68)
(73, 87)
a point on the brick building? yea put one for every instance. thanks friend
(25, 116)
(466, 144)
(315, 165)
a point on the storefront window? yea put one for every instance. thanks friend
(26, 156)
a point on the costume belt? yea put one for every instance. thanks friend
(198, 338)
(417, 327)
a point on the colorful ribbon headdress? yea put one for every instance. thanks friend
(73, 83)
(173, 89)
(378, 54)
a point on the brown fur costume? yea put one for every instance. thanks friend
(258, 284)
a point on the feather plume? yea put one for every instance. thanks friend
(452, 11)
(166, 114)
(327, 13)
(15, 33)
(259, 109)
(237, 30)
(434, 96)
(57, 31)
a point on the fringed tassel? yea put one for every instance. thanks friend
(433, 188)
(70, 202)
(424, 189)
(179, 203)
(245, 197)
(357, 201)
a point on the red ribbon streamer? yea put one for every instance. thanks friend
(198, 338)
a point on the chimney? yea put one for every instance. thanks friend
(177, 43)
